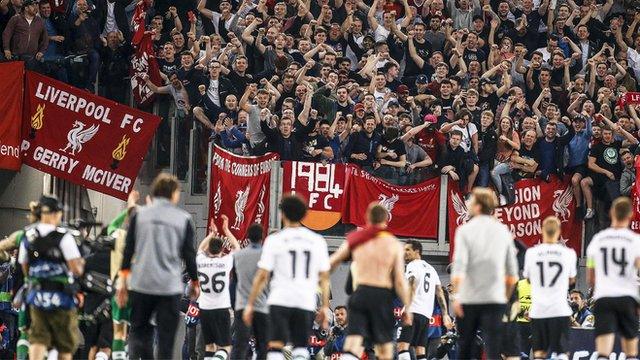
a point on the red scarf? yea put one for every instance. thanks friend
(359, 237)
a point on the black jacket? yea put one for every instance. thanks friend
(118, 13)
(278, 143)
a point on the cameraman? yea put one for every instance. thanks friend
(25, 36)
(338, 333)
(50, 258)
(582, 317)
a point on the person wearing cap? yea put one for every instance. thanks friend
(25, 36)
(51, 259)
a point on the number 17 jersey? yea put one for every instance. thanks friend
(213, 274)
(549, 268)
(613, 253)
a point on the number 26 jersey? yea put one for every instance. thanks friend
(213, 274)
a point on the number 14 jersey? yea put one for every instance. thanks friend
(613, 253)
(213, 274)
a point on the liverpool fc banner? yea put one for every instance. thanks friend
(413, 210)
(11, 88)
(535, 200)
(83, 138)
(321, 185)
(239, 189)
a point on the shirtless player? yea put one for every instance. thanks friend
(378, 265)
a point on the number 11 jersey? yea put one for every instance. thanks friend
(295, 257)
(613, 253)
(213, 274)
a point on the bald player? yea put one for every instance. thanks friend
(378, 266)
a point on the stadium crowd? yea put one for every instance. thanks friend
(486, 92)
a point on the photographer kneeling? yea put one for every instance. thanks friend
(50, 259)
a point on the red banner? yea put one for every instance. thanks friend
(240, 189)
(83, 138)
(321, 185)
(413, 209)
(535, 200)
(635, 222)
(144, 62)
(11, 88)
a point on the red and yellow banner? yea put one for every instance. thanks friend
(83, 138)
(11, 88)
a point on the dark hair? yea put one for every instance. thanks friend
(340, 307)
(164, 185)
(455, 132)
(415, 245)
(215, 245)
(574, 291)
(293, 208)
(186, 53)
(254, 233)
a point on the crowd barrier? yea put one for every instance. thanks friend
(582, 346)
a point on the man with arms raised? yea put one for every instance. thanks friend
(299, 261)
(425, 288)
(550, 268)
(378, 269)
(613, 260)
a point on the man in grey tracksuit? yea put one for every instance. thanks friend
(160, 239)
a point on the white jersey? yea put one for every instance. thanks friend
(426, 279)
(295, 256)
(549, 268)
(213, 273)
(613, 253)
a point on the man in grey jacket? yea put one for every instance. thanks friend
(628, 177)
(245, 266)
(485, 271)
(159, 240)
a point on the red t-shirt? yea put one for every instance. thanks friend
(431, 141)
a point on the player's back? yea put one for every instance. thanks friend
(374, 259)
(613, 253)
(426, 278)
(213, 274)
(296, 256)
(549, 268)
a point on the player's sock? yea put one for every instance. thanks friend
(421, 357)
(101, 356)
(349, 356)
(208, 355)
(603, 357)
(117, 350)
(221, 354)
(404, 355)
(274, 354)
(22, 349)
(299, 353)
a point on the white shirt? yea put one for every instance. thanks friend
(213, 274)
(549, 268)
(426, 279)
(67, 245)
(633, 58)
(212, 91)
(613, 253)
(296, 257)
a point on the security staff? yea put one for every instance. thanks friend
(50, 259)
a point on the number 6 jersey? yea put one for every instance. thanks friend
(613, 254)
(213, 274)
